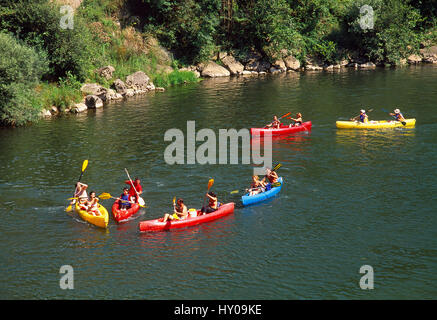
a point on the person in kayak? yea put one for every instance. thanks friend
(275, 124)
(272, 176)
(93, 206)
(398, 115)
(137, 185)
(362, 117)
(180, 212)
(125, 199)
(298, 121)
(257, 186)
(79, 192)
(212, 205)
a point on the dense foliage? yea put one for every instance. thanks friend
(21, 67)
(323, 28)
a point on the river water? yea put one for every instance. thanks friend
(350, 198)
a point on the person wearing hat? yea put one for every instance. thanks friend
(362, 117)
(80, 192)
(298, 121)
(398, 115)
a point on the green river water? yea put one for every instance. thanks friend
(350, 198)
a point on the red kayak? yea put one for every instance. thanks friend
(158, 225)
(120, 215)
(306, 126)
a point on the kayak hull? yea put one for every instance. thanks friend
(249, 200)
(158, 225)
(306, 126)
(99, 221)
(374, 124)
(120, 215)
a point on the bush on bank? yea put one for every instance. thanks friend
(21, 68)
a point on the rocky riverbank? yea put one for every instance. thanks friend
(221, 65)
(95, 95)
(224, 64)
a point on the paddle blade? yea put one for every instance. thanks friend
(174, 200)
(277, 167)
(72, 198)
(84, 165)
(210, 183)
(105, 196)
(276, 184)
(141, 201)
(235, 191)
(69, 208)
(287, 114)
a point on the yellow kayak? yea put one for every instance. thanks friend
(99, 221)
(374, 124)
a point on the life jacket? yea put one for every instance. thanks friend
(399, 116)
(363, 117)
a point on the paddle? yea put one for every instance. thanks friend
(140, 200)
(106, 195)
(403, 122)
(84, 165)
(210, 183)
(174, 207)
(269, 125)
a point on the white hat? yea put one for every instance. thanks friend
(397, 111)
(363, 111)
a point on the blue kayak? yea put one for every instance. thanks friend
(247, 200)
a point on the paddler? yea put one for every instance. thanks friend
(362, 117)
(180, 212)
(272, 176)
(298, 121)
(213, 203)
(136, 186)
(79, 192)
(257, 186)
(398, 115)
(93, 206)
(275, 124)
(125, 199)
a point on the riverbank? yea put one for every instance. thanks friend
(95, 96)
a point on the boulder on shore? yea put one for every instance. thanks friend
(106, 72)
(232, 65)
(212, 70)
(429, 54)
(137, 81)
(414, 59)
(367, 65)
(119, 86)
(292, 63)
(79, 107)
(92, 89)
(93, 102)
